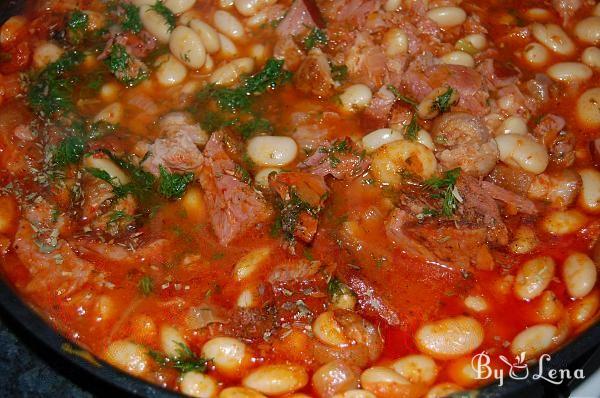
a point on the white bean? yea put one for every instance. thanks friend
(268, 150)
(383, 382)
(249, 263)
(458, 58)
(240, 392)
(554, 38)
(226, 3)
(335, 377)
(327, 329)
(228, 48)
(112, 113)
(392, 158)
(534, 277)
(127, 356)
(155, 23)
(477, 40)
(209, 64)
(536, 55)
(356, 97)
(277, 379)
(522, 151)
(208, 34)
(447, 17)
(588, 111)
(169, 71)
(584, 309)
(179, 6)
(588, 30)
(569, 72)
(246, 299)
(107, 165)
(232, 71)
(462, 372)
(11, 28)
(395, 42)
(227, 353)
(418, 369)
(579, 274)
(534, 340)
(476, 303)
(538, 14)
(248, 7)
(187, 46)
(355, 394)
(171, 340)
(46, 53)
(512, 125)
(109, 92)
(548, 307)
(427, 109)
(261, 178)
(424, 138)
(450, 337)
(524, 240)
(392, 5)
(196, 384)
(564, 222)
(442, 390)
(589, 196)
(259, 52)
(591, 57)
(229, 25)
(380, 137)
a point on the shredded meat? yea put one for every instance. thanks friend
(314, 75)
(339, 159)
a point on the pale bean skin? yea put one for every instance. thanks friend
(171, 340)
(462, 372)
(400, 155)
(533, 277)
(186, 45)
(112, 113)
(194, 204)
(536, 55)
(383, 382)
(155, 24)
(228, 48)
(109, 92)
(417, 369)
(579, 274)
(426, 109)
(554, 38)
(179, 6)
(356, 97)
(228, 354)
(248, 264)
(450, 337)
(208, 34)
(477, 40)
(458, 58)
(588, 111)
(127, 356)
(249, 8)
(228, 24)
(442, 390)
(246, 299)
(199, 385)
(524, 240)
(355, 394)
(589, 196)
(447, 17)
(271, 151)
(392, 5)
(108, 166)
(169, 71)
(534, 340)
(512, 125)
(591, 57)
(46, 53)
(335, 377)
(277, 379)
(10, 28)
(569, 72)
(380, 137)
(240, 392)
(559, 189)
(549, 307)
(424, 138)
(326, 328)
(395, 42)
(232, 71)
(582, 310)
(564, 222)
(522, 151)
(476, 303)
(261, 178)
(588, 30)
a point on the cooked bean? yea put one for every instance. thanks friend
(383, 382)
(196, 384)
(476, 303)
(380, 137)
(261, 178)
(584, 309)
(209, 65)
(522, 151)
(462, 372)
(335, 377)
(171, 340)
(240, 392)
(588, 30)
(248, 264)
(194, 204)
(427, 109)
(534, 340)
(564, 222)
(424, 138)
(591, 57)
(271, 150)
(187, 46)
(536, 55)
(108, 166)
(226, 3)
(232, 71)
(356, 97)
(208, 34)
(179, 6)
(477, 40)
(249, 7)
(395, 42)
(524, 240)
(549, 308)
(277, 379)
(554, 38)
(355, 394)
(227, 353)
(127, 356)
(538, 14)
(442, 390)
(458, 58)
(109, 92)
(247, 298)
(533, 277)
(46, 53)
(589, 197)
(569, 72)
(259, 52)
(447, 17)
(326, 328)
(10, 29)
(390, 159)
(112, 113)
(228, 24)
(392, 5)
(155, 23)
(169, 71)
(450, 337)
(579, 274)
(228, 48)
(417, 369)
(557, 188)
(512, 125)
(588, 111)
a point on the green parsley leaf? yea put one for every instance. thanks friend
(442, 103)
(339, 73)
(402, 97)
(146, 285)
(172, 185)
(69, 151)
(131, 19)
(411, 130)
(76, 26)
(185, 360)
(127, 69)
(253, 126)
(316, 37)
(443, 189)
(160, 8)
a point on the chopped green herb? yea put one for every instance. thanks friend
(76, 26)
(289, 214)
(166, 13)
(442, 103)
(466, 46)
(411, 130)
(338, 290)
(316, 37)
(131, 19)
(173, 185)
(127, 69)
(69, 151)
(146, 285)
(444, 189)
(271, 76)
(255, 125)
(185, 360)
(401, 97)
(339, 73)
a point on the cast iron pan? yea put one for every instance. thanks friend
(105, 380)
